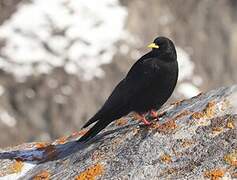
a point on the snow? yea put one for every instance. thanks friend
(188, 90)
(79, 35)
(186, 66)
(7, 119)
(188, 81)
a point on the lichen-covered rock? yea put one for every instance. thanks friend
(193, 139)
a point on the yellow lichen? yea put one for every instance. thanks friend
(165, 127)
(231, 158)
(198, 115)
(182, 114)
(216, 131)
(208, 112)
(215, 174)
(43, 175)
(186, 143)
(230, 124)
(166, 158)
(91, 173)
(121, 122)
(17, 166)
(210, 109)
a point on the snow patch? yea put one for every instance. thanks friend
(188, 82)
(188, 90)
(7, 119)
(79, 35)
(186, 66)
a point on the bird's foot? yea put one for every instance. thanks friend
(143, 118)
(154, 114)
(147, 123)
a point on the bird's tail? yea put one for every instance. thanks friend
(101, 124)
(92, 120)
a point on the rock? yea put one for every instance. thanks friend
(49, 105)
(194, 138)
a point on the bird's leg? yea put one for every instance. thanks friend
(142, 117)
(154, 113)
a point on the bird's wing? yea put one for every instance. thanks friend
(138, 78)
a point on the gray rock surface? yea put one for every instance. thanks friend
(193, 139)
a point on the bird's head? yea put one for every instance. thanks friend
(163, 48)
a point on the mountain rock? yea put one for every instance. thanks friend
(193, 138)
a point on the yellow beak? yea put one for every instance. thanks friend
(153, 45)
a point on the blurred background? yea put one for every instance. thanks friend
(60, 59)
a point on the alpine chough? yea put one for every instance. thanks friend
(146, 87)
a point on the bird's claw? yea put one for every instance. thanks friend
(154, 114)
(143, 119)
(147, 123)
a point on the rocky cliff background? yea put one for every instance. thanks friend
(60, 59)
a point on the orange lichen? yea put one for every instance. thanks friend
(41, 144)
(16, 167)
(166, 158)
(180, 115)
(208, 112)
(121, 122)
(82, 132)
(176, 103)
(217, 129)
(11, 168)
(43, 175)
(215, 174)
(231, 158)
(91, 173)
(76, 134)
(186, 143)
(165, 127)
(155, 126)
(210, 109)
(197, 115)
(61, 140)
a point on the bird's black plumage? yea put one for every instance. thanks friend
(148, 85)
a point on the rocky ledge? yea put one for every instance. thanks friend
(193, 138)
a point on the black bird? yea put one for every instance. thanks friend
(147, 86)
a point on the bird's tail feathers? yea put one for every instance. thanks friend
(94, 130)
(90, 121)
